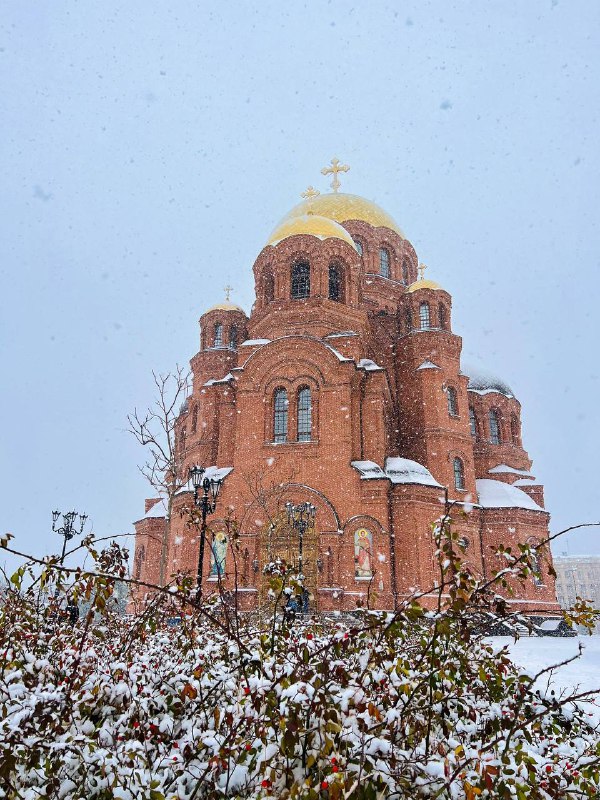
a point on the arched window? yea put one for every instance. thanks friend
(218, 335)
(424, 316)
(280, 415)
(194, 418)
(459, 474)
(495, 437)
(269, 287)
(408, 320)
(300, 280)
(233, 337)
(443, 317)
(472, 422)
(514, 429)
(359, 247)
(405, 271)
(452, 401)
(335, 282)
(363, 553)
(304, 415)
(384, 263)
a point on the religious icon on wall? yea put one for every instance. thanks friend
(363, 553)
(218, 553)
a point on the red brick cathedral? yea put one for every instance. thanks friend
(344, 388)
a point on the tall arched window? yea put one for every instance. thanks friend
(359, 247)
(408, 320)
(452, 401)
(336, 286)
(218, 335)
(280, 415)
(514, 429)
(300, 280)
(459, 474)
(304, 415)
(424, 316)
(472, 422)
(405, 271)
(443, 317)
(384, 263)
(495, 437)
(269, 287)
(194, 418)
(233, 337)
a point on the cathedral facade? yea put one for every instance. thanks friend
(344, 388)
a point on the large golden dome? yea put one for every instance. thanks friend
(341, 207)
(311, 225)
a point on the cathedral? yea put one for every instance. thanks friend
(344, 390)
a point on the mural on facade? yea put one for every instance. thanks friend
(218, 553)
(363, 552)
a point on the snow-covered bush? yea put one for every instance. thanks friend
(403, 705)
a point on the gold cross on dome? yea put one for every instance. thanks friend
(334, 169)
(310, 193)
(422, 268)
(227, 289)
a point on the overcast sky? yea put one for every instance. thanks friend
(149, 148)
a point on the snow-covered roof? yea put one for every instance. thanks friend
(497, 494)
(159, 509)
(505, 469)
(368, 365)
(368, 470)
(483, 382)
(337, 354)
(525, 482)
(397, 470)
(226, 379)
(250, 342)
(216, 473)
(428, 365)
(403, 470)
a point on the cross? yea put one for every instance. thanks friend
(421, 268)
(227, 289)
(334, 169)
(310, 193)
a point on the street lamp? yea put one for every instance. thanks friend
(301, 518)
(68, 528)
(207, 503)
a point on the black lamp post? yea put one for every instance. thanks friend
(301, 518)
(68, 528)
(207, 503)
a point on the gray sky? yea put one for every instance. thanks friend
(150, 147)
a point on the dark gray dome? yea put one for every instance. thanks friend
(482, 381)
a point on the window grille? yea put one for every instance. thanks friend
(300, 280)
(473, 422)
(384, 263)
(218, 335)
(335, 282)
(280, 416)
(495, 437)
(304, 415)
(459, 474)
(424, 316)
(452, 402)
(233, 337)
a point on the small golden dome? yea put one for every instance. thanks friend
(310, 225)
(225, 306)
(341, 207)
(423, 284)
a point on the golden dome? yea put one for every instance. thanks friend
(423, 284)
(311, 225)
(225, 306)
(341, 207)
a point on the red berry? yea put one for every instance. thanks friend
(246, 690)
(265, 784)
(176, 745)
(334, 760)
(548, 768)
(324, 785)
(309, 636)
(335, 769)
(248, 746)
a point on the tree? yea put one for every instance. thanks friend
(154, 429)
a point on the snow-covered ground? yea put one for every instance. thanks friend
(583, 674)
